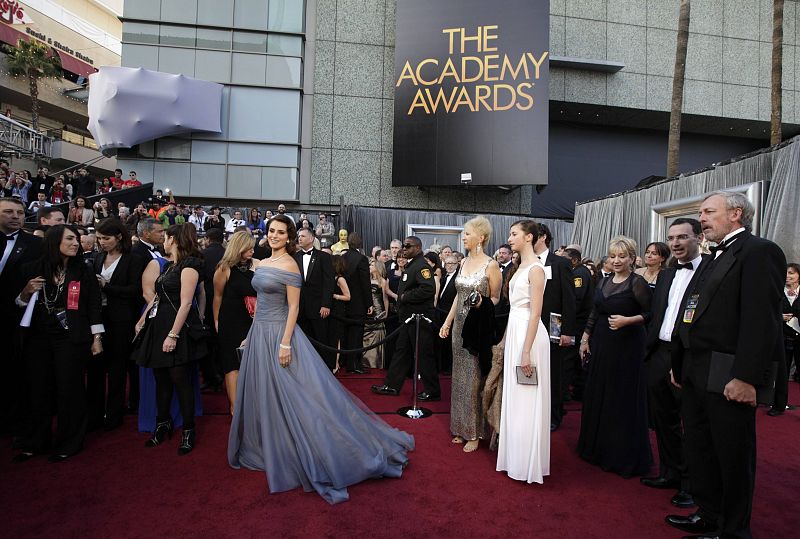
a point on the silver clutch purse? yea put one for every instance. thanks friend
(532, 380)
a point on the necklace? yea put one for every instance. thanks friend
(276, 259)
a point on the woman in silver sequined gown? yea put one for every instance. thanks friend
(478, 272)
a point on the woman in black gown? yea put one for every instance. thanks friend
(234, 299)
(168, 346)
(341, 296)
(614, 417)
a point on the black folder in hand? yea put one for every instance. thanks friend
(720, 372)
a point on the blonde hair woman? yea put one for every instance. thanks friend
(232, 308)
(614, 431)
(478, 280)
(375, 330)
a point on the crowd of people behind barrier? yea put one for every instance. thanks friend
(168, 285)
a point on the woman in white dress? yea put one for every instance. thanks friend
(524, 447)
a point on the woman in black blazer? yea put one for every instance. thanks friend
(62, 302)
(119, 275)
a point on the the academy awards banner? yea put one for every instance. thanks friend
(471, 92)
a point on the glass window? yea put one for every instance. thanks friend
(172, 176)
(286, 15)
(145, 56)
(264, 114)
(249, 42)
(208, 38)
(214, 66)
(285, 45)
(283, 71)
(183, 36)
(207, 180)
(215, 12)
(184, 11)
(137, 32)
(142, 9)
(244, 182)
(279, 183)
(242, 153)
(173, 148)
(177, 61)
(250, 14)
(204, 151)
(249, 69)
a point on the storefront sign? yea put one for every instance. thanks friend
(471, 92)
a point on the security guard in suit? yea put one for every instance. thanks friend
(414, 296)
(574, 374)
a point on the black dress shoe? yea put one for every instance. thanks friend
(55, 459)
(693, 523)
(774, 412)
(357, 371)
(22, 457)
(554, 425)
(425, 396)
(660, 482)
(384, 390)
(683, 500)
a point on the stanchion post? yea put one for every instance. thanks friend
(413, 411)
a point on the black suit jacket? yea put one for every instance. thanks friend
(317, 290)
(124, 291)
(89, 311)
(27, 248)
(559, 294)
(447, 295)
(142, 251)
(357, 277)
(738, 312)
(658, 306)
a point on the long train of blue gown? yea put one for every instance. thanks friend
(299, 424)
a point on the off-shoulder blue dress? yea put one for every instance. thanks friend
(299, 424)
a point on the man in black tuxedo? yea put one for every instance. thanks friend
(731, 314)
(559, 297)
(414, 295)
(684, 237)
(503, 306)
(151, 237)
(584, 301)
(316, 294)
(447, 294)
(360, 304)
(17, 248)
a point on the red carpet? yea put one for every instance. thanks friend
(117, 488)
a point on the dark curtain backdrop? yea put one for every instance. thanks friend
(378, 226)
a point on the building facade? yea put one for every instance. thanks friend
(308, 106)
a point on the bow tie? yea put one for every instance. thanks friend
(687, 266)
(721, 248)
(308, 253)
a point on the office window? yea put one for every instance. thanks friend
(214, 66)
(279, 183)
(145, 56)
(204, 151)
(184, 11)
(137, 32)
(285, 45)
(208, 38)
(250, 14)
(207, 180)
(182, 36)
(286, 15)
(283, 71)
(215, 12)
(249, 69)
(249, 42)
(264, 115)
(173, 148)
(177, 61)
(242, 153)
(244, 182)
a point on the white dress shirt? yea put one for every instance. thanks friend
(446, 282)
(306, 262)
(726, 238)
(10, 244)
(676, 291)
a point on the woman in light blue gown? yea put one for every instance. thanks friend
(292, 418)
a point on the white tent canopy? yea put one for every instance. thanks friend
(128, 106)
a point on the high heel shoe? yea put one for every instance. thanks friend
(163, 430)
(187, 441)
